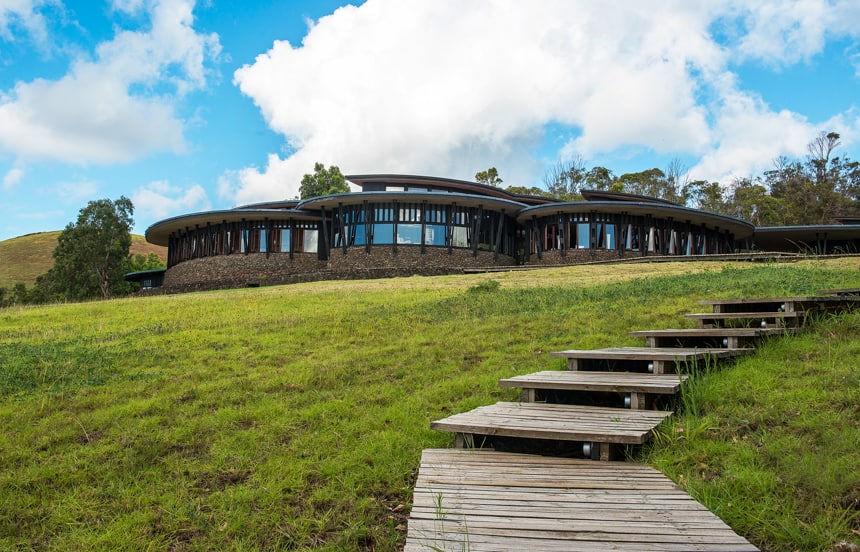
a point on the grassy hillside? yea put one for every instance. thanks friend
(294, 417)
(25, 257)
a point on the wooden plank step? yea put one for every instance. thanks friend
(666, 360)
(635, 390)
(487, 500)
(731, 338)
(841, 292)
(599, 429)
(784, 304)
(749, 319)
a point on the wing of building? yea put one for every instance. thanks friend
(401, 225)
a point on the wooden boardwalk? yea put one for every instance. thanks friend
(485, 500)
(501, 501)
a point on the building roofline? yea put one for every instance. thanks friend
(443, 198)
(159, 233)
(740, 228)
(464, 185)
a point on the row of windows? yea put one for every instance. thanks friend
(601, 235)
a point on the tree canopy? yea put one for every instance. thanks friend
(91, 257)
(323, 182)
(490, 177)
(816, 190)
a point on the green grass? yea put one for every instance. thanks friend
(772, 444)
(25, 257)
(294, 417)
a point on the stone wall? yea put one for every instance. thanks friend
(255, 269)
(239, 270)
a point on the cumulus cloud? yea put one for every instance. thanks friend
(450, 87)
(24, 14)
(12, 178)
(106, 110)
(76, 192)
(160, 199)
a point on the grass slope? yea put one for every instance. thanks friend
(294, 417)
(25, 257)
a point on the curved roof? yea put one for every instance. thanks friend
(445, 184)
(605, 195)
(283, 204)
(783, 238)
(740, 228)
(159, 233)
(443, 198)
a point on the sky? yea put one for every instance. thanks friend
(187, 106)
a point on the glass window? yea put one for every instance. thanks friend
(582, 235)
(383, 234)
(310, 245)
(459, 237)
(409, 233)
(434, 235)
(610, 236)
(285, 241)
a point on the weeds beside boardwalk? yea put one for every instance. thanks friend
(294, 417)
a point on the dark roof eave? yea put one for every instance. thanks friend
(443, 198)
(739, 227)
(159, 233)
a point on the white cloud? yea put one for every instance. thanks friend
(450, 88)
(24, 14)
(12, 178)
(781, 32)
(106, 110)
(77, 192)
(160, 199)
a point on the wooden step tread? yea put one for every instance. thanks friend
(824, 298)
(650, 353)
(708, 332)
(742, 315)
(559, 422)
(622, 382)
(840, 291)
(731, 338)
(487, 500)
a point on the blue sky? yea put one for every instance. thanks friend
(186, 106)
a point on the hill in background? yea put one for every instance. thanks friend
(23, 258)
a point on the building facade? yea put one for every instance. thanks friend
(400, 225)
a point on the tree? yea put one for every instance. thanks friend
(490, 177)
(654, 183)
(600, 178)
(139, 263)
(323, 182)
(708, 196)
(750, 201)
(91, 256)
(564, 180)
(527, 190)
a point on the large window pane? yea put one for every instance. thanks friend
(383, 234)
(310, 245)
(409, 233)
(460, 237)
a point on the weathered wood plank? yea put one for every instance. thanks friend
(620, 382)
(667, 360)
(463, 501)
(650, 353)
(756, 319)
(556, 421)
(731, 338)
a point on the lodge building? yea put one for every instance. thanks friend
(400, 225)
